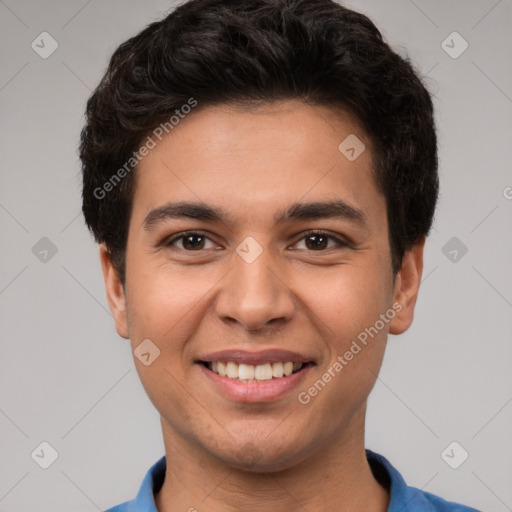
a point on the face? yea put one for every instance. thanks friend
(286, 260)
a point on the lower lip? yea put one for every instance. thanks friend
(252, 392)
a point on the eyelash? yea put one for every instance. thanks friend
(341, 243)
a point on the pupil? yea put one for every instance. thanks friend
(316, 243)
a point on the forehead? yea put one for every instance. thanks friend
(259, 160)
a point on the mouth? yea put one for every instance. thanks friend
(254, 373)
(252, 377)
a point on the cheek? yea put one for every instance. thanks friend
(346, 300)
(164, 305)
(348, 309)
(163, 301)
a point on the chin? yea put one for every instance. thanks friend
(262, 457)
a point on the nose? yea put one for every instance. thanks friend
(255, 294)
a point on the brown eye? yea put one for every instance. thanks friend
(316, 241)
(319, 241)
(190, 241)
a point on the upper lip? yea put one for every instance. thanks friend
(255, 358)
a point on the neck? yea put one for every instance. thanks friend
(338, 474)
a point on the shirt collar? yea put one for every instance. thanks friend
(402, 497)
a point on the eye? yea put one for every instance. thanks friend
(319, 240)
(194, 241)
(191, 241)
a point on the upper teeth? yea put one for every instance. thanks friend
(251, 372)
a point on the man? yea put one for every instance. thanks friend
(261, 177)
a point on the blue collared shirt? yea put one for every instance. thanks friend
(403, 498)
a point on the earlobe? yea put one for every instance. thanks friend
(407, 286)
(115, 292)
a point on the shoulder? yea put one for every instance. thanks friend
(404, 497)
(144, 501)
(123, 507)
(432, 503)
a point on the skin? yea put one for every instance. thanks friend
(277, 456)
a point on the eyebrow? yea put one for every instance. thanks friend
(297, 211)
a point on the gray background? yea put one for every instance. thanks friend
(68, 379)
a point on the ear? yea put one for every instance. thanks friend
(407, 285)
(115, 292)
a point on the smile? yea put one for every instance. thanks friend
(254, 373)
(247, 383)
